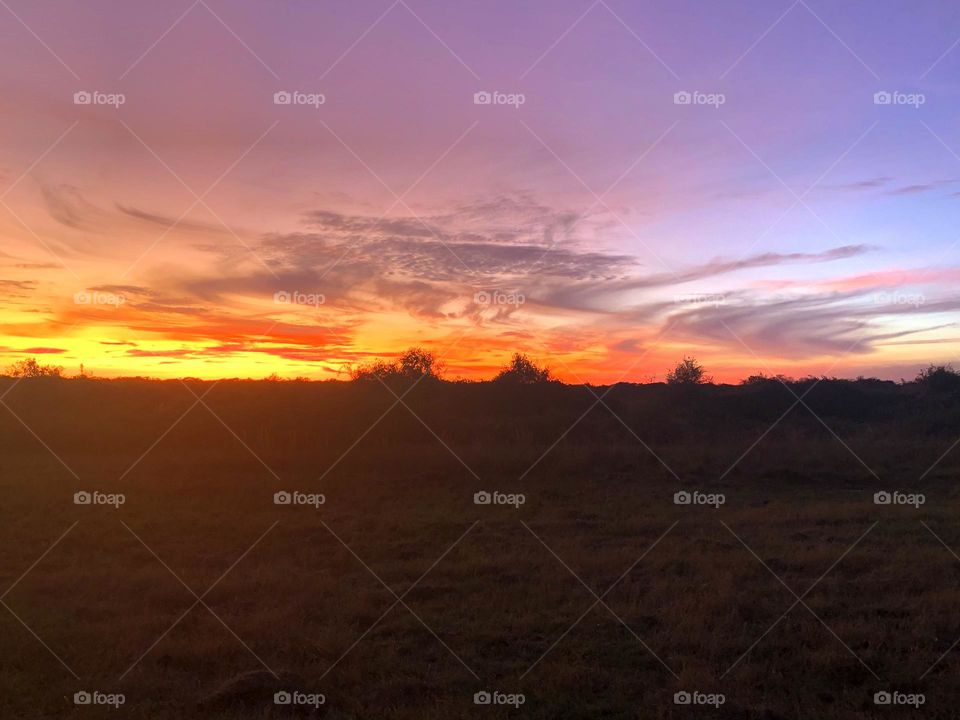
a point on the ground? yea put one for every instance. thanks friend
(400, 597)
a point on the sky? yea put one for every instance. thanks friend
(234, 189)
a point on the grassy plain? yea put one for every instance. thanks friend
(199, 576)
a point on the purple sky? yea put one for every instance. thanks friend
(782, 221)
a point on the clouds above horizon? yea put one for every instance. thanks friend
(432, 267)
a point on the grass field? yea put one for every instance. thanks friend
(399, 597)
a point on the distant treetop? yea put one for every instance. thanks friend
(521, 369)
(688, 372)
(414, 364)
(30, 368)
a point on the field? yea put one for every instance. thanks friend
(794, 595)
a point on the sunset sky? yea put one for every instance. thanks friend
(787, 219)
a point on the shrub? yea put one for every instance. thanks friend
(939, 378)
(378, 369)
(522, 369)
(688, 372)
(30, 368)
(415, 364)
(764, 379)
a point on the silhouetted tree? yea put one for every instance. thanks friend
(30, 368)
(522, 369)
(418, 363)
(687, 372)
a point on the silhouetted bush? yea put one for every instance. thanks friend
(30, 368)
(939, 379)
(418, 363)
(378, 369)
(522, 369)
(688, 372)
(415, 364)
(763, 379)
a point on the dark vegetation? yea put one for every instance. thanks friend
(598, 467)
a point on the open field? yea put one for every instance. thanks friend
(399, 597)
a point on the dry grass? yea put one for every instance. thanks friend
(499, 604)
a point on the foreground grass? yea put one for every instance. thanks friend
(492, 597)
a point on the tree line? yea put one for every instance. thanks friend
(417, 363)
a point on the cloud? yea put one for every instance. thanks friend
(805, 326)
(432, 267)
(180, 353)
(12, 285)
(67, 205)
(169, 221)
(421, 265)
(630, 345)
(874, 183)
(11, 289)
(44, 350)
(517, 218)
(884, 183)
(919, 188)
(600, 294)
